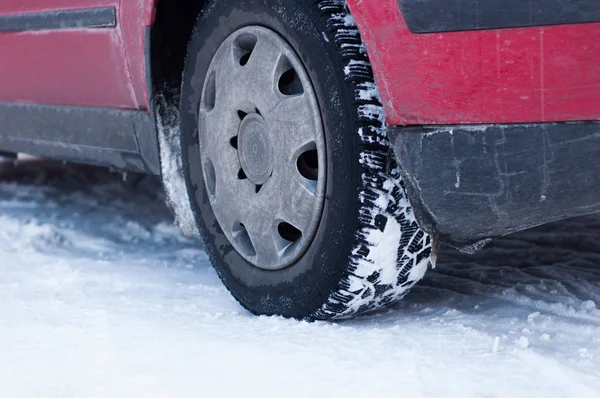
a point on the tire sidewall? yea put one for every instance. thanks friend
(301, 289)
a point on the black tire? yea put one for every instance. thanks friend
(368, 250)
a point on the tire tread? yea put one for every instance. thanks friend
(367, 285)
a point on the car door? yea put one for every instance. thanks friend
(64, 52)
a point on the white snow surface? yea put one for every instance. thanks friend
(101, 296)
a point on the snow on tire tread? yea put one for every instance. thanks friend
(391, 253)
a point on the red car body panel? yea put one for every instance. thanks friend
(85, 67)
(533, 74)
(134, 17)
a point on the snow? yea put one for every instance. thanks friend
(100, 296)
(172, 167)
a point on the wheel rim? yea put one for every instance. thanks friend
(262, 148)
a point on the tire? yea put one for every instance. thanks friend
(367, 250)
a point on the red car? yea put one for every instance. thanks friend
(321, 149)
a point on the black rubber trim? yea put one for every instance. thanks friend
(105, 17)
(431, 16)
(147, 133)
(468, 183)
(99, 136)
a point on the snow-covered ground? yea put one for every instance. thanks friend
(100, 296)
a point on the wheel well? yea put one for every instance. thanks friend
(175, 21)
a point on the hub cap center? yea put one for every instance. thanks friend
(255, 149)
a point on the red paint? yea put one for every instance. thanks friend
(65, 68)
(135, 16)
(494, 76)
(25, 6)
(86, 67)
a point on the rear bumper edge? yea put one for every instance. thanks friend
(468, 183)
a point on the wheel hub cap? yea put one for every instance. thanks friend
(262, 148)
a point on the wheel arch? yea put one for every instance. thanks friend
(173, 26)
(166, 50)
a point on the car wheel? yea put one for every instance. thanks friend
(290, 175)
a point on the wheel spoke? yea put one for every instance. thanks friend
(298, 202)
(215, 143)
(262, 234)
(254, 81)
(293, 126)
(226, 70)
(265, 59)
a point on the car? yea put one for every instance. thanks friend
(322, 150)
